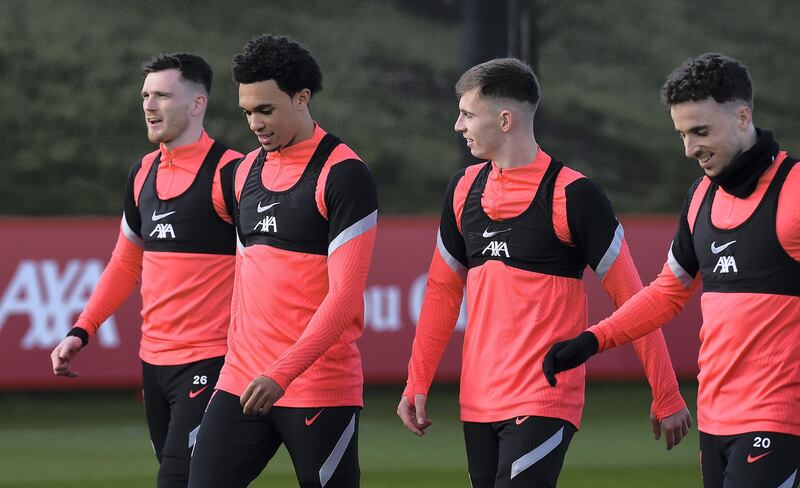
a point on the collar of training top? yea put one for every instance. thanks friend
(741, 176)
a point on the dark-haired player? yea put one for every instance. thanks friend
(177, 236)
(738, 234)
(518, 231)
(306, 221)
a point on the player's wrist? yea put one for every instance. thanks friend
(80, 334)
(668, 408)
(281, 380)
(588, 343)
(599, 336)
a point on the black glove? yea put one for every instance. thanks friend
(569, 354)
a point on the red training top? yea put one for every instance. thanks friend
(298, 304)
(185, 296)
(514, 314)
(750, 342)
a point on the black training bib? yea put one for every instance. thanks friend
(527, 241)
(288, 219)
(187, 222)
(748, 258)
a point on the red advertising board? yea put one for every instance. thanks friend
(50, 266)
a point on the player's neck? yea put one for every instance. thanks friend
(189, 136)
(517, 153)
(306, 130)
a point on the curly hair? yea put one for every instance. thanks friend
(192, 67)
(278, 58)
(708, 75)
(504, 78)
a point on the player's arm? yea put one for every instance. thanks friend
(601, 238)
(787, 218)
(352, 208)
(668, 413)
(592, 219)
(119, 278)
(438, 315)
(664, 298)
(232, 207)
(222, 190)
(645, 312)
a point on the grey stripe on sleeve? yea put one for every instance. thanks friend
(678, 270)
(454, 264)
(354, 231)
(611, 253)
(239, 245)
(130, 234)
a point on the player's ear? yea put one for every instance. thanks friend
(506, 120)
(744, 116)
(302, 98)
(199, 104)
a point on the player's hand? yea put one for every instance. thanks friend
(569, 354)
(413, 416)
(675, 427)
(63, 354)
(260, 395)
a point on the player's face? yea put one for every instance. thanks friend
(712, 133)
(273, 116)
(168, 103)
(479, 122)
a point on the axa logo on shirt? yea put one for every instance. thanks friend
(164, 231)
(266, 224)
(495, 248)
(51, 298)
(725, 264)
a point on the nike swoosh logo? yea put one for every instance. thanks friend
(751, 459)
(520, 420)
(159, 217)
(264, 209)
(717, 250)
(193, 394)
(311, 420)
(487, 234)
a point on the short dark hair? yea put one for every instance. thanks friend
(279, 58)
(502, 77)
(708, 75)
(192, 67)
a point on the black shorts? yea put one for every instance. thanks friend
(232, 449)
(519, 452)
(175, 398)
(754, 459)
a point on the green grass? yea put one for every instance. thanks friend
(80, 439)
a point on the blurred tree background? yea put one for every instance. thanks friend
(72, 123)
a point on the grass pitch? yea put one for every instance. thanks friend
(92, 440)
